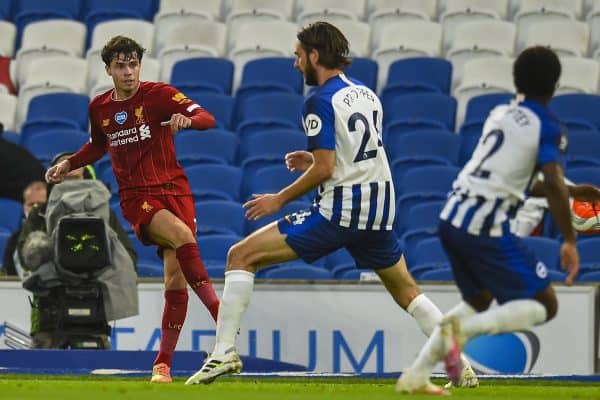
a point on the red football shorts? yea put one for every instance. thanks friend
(140, 210)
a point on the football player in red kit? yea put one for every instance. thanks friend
(135, 122)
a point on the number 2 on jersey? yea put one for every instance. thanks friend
(363, 155)
(498, 135)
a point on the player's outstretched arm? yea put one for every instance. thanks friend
(558, 201)
(584, 192)
(319, 171)
(587, 193)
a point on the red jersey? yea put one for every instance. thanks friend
(142, 151)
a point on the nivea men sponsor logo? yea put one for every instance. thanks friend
(121, 117)
(313, 124)
(509, 353)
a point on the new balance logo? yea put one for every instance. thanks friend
(145, 132)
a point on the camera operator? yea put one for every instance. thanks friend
(44, 322)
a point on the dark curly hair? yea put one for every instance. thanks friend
(121, 45)
(536, 72)
(329, 41)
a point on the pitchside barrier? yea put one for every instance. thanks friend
(351, 328)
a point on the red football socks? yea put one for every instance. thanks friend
(172, 321)
(196, 276)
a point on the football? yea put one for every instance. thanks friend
(585, 217)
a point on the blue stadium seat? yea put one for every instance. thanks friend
(214, 248)
(214, 182)
(220, 217)
(365, 70)
(428, 255)
(287, 209)
(557, 276)
(221, 106)
(479, 107)
(105, 10)
(434, 178)
(144, 9)
(584, 175)
(421, 222)
(72, 8)
(148, 262)
(584, 149)
(416, 149)
(28, 11)
(272, 144)
(589, 254)
(354, 274)
(420, 216)
(341, 269)
(56, 111)
(437, 274)
(419, 111)
(6, 8)
(11, 213)
(269, 112)
(589, 276)
(11, 137)
(45, 145)
(209, 75)
(110, 180)
(307, 272)
(214, 146)
(423, 185)
(443, 145)
(269, 179)
(269, 148)
(3, 239)
(103, 164)
(268, 75)
(577, 111)
(417, 75)
(545, 249)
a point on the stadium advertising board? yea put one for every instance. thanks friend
(352, 328)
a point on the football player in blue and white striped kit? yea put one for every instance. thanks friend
(489, 262)
(354, 207)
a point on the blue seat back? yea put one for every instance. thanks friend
(214, 182)
(363, 69)
(206, 73)
(220, 217)
(434, 178)
(429, 109)
(221, 106)
(211, 146)
(11, 213)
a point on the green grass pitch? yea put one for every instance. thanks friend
(29, 387)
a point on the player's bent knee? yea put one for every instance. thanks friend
(182, 235)
(239, 257)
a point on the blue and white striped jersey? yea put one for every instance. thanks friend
(516, 140)
(346, 116)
